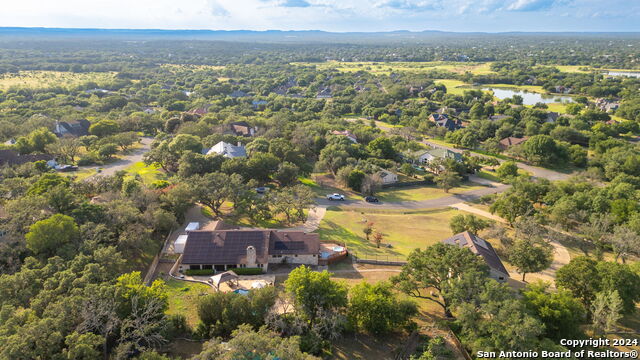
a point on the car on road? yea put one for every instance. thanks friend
(336, 197)
(262, 189)
(371, 199)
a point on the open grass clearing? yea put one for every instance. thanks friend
(420, 193)
(455, 87)
(385, 68)
(38, 79)
(404, 230)
(183, 298)
(147, 173)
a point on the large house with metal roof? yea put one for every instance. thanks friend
(427, 156)
(483, 249)
(221, 250)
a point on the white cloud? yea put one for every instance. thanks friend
(334, 15)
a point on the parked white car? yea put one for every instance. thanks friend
(335, 196)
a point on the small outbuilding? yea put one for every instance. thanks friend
(192, 226)
(227, 276)
(178, 245)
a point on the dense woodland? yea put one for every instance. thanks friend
(74, 251)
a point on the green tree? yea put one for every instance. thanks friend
(354, 181)
(57, 235)
(248, 344)
(221, 313)
(507, 170)
(377, 309)
(530, 256)
(541, 149)
(622, 279)
(461, 223)
(581, 277)
(287, 174)
(511, 206)
(606, 311)
(314, 291)
(448, 179)
(382, 147)
(46, 182)
(438, 267)
(104, 128)
(106, 151)
(560, 312)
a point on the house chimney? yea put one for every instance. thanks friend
(251, 257)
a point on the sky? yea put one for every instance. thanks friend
(328, 15)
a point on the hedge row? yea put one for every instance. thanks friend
(247, 271)
(202, 272)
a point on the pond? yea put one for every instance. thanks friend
(624, 73)
(528, 98)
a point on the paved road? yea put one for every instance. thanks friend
(126, 161)
(536, 171)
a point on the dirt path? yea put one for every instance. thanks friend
(315, 216)
(126, 161)
(561, 255)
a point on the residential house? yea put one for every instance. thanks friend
(198, 111)
(386, 177)
(347, 134)
(607, 105)
(222, 250)
(552, 117)
(74, 128)
(510, 141)
(11, 157)
(228, 150)
(443, 120)
(242, 128)
(238, 94)
(483, 249)
(259, 104)
(427, 156)
(324, 93)
(498, 117)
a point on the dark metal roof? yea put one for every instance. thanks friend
(223, 247)
(479, 247)
(293, 242)
(230, 246)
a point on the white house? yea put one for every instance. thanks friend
(427, 156)
(228, 150)
(387, 177)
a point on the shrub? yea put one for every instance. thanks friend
(429, 178)
(247, 271)
(202, 272)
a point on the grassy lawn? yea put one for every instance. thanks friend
(488, 175)
(43, 79)
(529, 88)
(558, 107)
(183, 298)
(405, 231)
(148, 173)
(385, 68)
(82, 174)
(323, 189)
(455, 87)
(419, 193)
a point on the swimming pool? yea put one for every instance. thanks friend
(241, 291)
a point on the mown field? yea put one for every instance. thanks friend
(403, 230)
(389, 67)
(45, 79)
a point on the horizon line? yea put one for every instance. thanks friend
(322, 31)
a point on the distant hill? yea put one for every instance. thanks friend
(277, 35)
